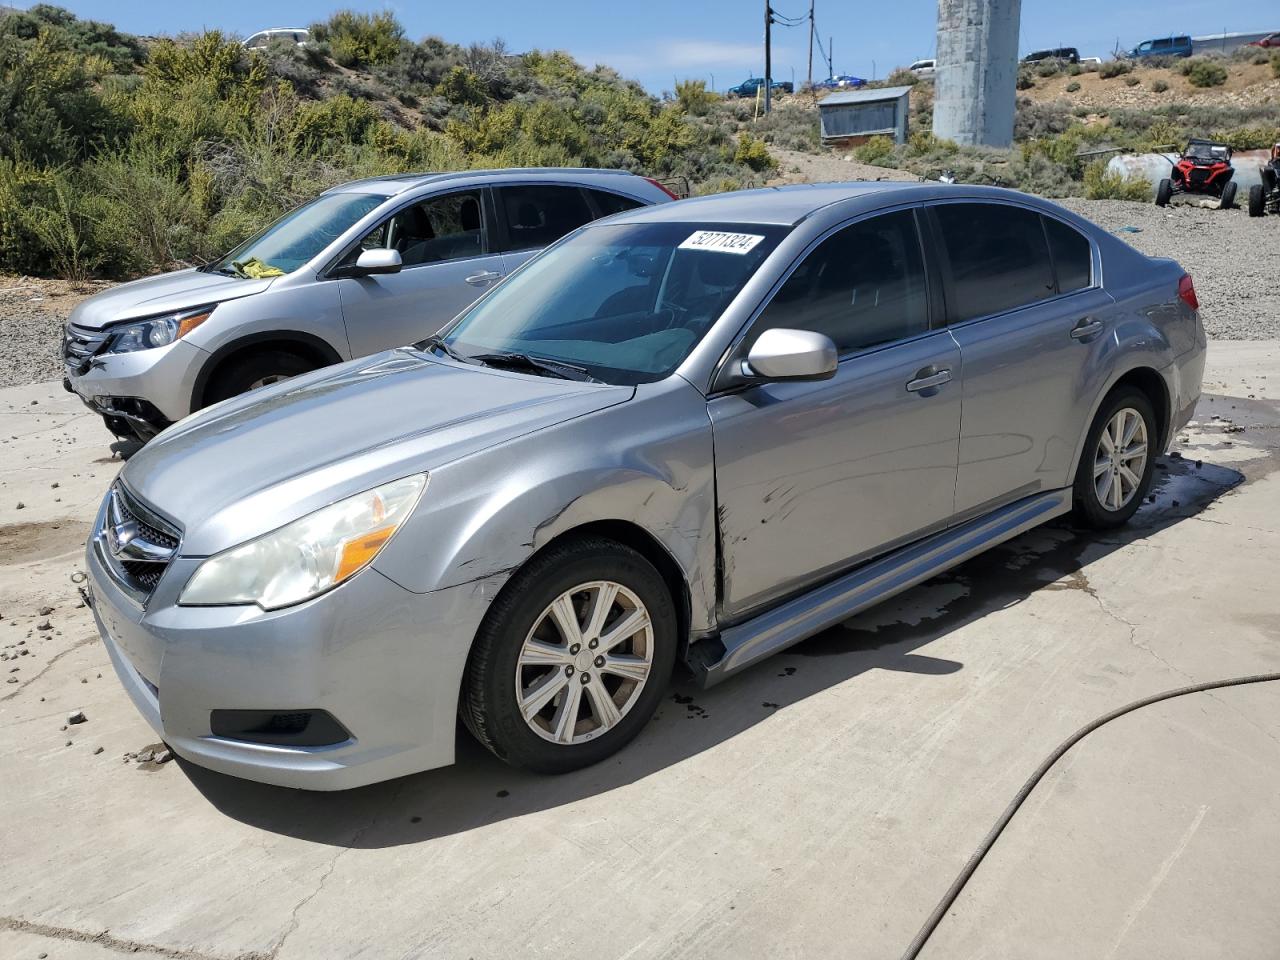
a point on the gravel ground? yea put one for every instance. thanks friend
(1230, 256)
(32, 313)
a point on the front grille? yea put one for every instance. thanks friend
(81, 345)
(136, 544)
(1199, 177)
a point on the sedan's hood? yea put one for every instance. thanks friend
(165, 293)
(256, 462)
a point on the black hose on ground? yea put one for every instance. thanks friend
(989, 840)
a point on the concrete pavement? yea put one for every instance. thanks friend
(816, 806)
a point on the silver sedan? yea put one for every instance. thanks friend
(695, 432)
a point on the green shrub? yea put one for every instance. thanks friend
(753, 153)
(877, 151)
(792, 125)
(901, 77)
(1100, 184)
(693, 97)
(1025, 81)
(1074, 70)
(1159, 86)
(1132, 81)
(461, 86)
(1275, 65)
(1249, 138)
(1201, 72)
(1114, 68)
(360, 39)
(1073, 87)
(1048, 68)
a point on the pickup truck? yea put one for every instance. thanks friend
(751, 86)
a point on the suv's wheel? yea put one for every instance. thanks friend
(1118, 460)
(572, 658)
(1257, 201)
(1164, 192)
(1228, 195)
(256, 370)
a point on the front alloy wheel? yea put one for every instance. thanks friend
(572, 658)
(585, 662)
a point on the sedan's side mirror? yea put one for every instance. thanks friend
(381, 260)
(781, 354)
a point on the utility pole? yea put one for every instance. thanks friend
(811, 29)
(831, 56)
(768, 54)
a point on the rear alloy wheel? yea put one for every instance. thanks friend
(1164, 192)
(1257, 200)
(572, 658)
(1228, 196)
(1116, 467)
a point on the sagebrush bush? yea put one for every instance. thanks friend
(1114, 68)
(1101, 184)
(877, 151)
(1073, 87)
(1201, 72)
(693, 97)
(1275, 65)
(1132, 81)
(753, 153)
(360, 39)
(1159, 86)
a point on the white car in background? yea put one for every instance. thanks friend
(299, 35)
(924, 69)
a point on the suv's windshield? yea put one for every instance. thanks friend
(625, 303)
(296, 237)
(1207, 151)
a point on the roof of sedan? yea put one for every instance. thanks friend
(784, 206)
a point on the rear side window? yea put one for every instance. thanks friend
(539, 214)
(1072, 255)
(610, 203)
(998, 255)
(862, 286)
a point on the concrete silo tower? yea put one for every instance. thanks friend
(977, 70)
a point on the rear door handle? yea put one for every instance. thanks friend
(1086, 328)
(925, 380)
(480, 279)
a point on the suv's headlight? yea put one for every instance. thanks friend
(156, 332)
(309, 556)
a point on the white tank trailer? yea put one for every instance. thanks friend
(977, 71)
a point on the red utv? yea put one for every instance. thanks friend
(1264, 197)
(1204, 168)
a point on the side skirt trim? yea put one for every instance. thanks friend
(827, 605)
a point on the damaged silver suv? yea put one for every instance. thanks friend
(364, 267)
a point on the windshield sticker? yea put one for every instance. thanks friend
(721, 242)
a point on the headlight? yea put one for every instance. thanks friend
(309, 556)
(156, 332)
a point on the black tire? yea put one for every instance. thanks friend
(1268, 179)
(1164, 192)
(1089, 511)
(489, 701)
(1228, 196)
(1257, 200)
(246, 373)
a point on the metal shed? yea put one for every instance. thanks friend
(854, 115)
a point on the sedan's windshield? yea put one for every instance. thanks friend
(296, 237)
(625, 303)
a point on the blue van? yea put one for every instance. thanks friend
(1166, 47)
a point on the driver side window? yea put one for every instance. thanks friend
(439, 229)
(862, 286)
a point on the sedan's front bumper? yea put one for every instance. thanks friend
(385, 662)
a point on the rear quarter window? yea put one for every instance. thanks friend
(1072, 255)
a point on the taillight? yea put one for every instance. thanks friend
(662, 187)
(1187, 292)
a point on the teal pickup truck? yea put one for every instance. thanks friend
(750, 87)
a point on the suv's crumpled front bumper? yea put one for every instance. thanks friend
(385, 662)
(144, 390)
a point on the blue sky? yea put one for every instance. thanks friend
(655, 41)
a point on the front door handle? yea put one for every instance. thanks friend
(1086, 328)
(928, 378)
(480, 279)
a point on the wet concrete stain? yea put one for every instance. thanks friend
(26, 542)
